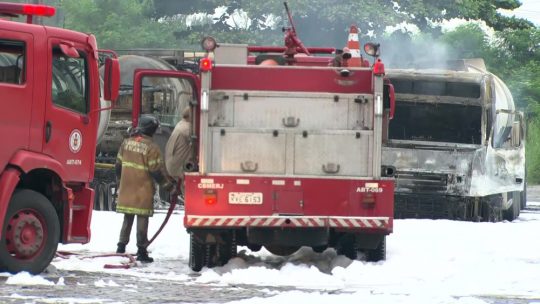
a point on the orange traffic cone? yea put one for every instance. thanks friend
(354, 48)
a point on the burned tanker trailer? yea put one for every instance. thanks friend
(163, 97)
(457, 144)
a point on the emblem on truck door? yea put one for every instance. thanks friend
(75, 141)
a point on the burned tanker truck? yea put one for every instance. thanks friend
(457, 144)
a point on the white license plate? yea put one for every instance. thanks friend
(245, 198)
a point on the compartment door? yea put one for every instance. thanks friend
(342, 154)
(248, 151)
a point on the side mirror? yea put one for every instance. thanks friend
(518, 130)
(68, 49)
(112, 79)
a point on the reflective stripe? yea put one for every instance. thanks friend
(133, 165)
(154, 162)
(133, 210)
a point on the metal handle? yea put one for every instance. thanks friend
(249, 166)
(291, 122)
(48, 131)
(331, 168)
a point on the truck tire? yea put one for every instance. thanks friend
(490, 212)
(197, 253)
(226, 251)
(254, 247)
(377, 254)
(30, 234)
(104, 200)
(523, 198)
(319, 249)
(110, 196)
(97, 195)
(346, 246)
(282, 250)
(512, 212)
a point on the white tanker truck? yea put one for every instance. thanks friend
(163, 97)
(457, 145)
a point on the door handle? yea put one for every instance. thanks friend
(48, 131)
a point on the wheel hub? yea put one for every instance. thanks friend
(25, 235)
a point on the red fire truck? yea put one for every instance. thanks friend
(289, 151)
(49, 114)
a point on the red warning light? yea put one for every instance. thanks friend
(38, 10)
(206, 64)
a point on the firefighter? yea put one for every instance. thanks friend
(179, 151)
(139, 163)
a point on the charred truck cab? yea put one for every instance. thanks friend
(50, 88)
(457, 144)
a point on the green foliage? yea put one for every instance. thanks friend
(533, 146)
(326, 22)
(117, 23)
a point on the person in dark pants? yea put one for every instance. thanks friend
(138, 165)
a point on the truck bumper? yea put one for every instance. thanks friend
(347, 222)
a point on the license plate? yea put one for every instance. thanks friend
(245, 198)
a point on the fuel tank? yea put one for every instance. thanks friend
(163, 97)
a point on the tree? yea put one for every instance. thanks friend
(117, 24)
(326, 22)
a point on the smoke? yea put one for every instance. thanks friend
(399, 50)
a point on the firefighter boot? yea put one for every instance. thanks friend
(142, 255)
(121, 248)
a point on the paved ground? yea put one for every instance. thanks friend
(140, 287)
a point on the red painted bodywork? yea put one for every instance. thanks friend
(294, 79)
(27, 109)
(139, 74)
(319, 196)
(317, 201)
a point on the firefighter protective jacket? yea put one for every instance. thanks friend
(141, 164)
(178, 150)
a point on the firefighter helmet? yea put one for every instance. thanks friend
(148, 124)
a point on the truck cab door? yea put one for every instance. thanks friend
(16, 91)
(69, 132)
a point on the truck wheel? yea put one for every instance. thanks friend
(110, 196)
(377, 254)
(281, 250)
(523, 198)
(346, 246)
(254, 247)
(512, 213)
(97, 195)
(319, 249)
(197, 253)
(489, 212)
(104, 199)
(30, 234)
(226, 251)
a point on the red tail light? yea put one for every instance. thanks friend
(368, 200)
(206, 64)
(210, 197)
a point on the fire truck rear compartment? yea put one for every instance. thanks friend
(276, 133)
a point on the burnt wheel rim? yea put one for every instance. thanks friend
(25, 235)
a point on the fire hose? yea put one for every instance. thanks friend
(131, 260)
